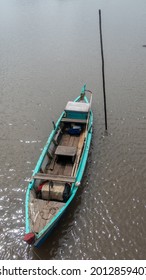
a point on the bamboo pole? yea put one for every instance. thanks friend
(103, 75)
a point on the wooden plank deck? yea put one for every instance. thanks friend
(42, 211)
(65, 167)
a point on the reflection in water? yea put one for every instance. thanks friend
(49, 49)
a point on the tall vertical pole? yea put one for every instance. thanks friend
(103, 76)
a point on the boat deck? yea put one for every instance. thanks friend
(65, 165)
(42, 211)
(61, 168)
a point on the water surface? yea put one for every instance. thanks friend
(48, 50)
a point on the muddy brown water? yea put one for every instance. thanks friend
(48, 50)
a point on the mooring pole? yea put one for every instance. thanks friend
(103, 76)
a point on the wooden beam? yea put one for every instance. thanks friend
(73, 120)
(60, 178)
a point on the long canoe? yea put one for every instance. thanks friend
(59, 170)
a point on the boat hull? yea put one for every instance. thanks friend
(41, 236)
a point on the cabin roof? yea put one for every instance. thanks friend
(77, 107)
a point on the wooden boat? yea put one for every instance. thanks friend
(58, 173)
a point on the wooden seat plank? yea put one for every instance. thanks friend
(73, 120)
(61, 178)
(66, 151)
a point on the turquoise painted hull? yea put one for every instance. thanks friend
(44, 233)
